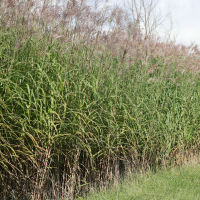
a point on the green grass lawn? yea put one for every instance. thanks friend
(174, 183)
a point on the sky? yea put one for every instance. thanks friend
(185, 16)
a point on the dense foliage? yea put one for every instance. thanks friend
(79, 113)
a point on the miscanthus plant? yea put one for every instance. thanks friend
(79, 107)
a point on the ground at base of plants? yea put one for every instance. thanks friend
(176, 183)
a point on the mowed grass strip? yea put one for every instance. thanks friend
(175, 183)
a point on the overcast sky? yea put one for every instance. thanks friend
(186, 17)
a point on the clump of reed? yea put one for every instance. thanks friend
(81, 106)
